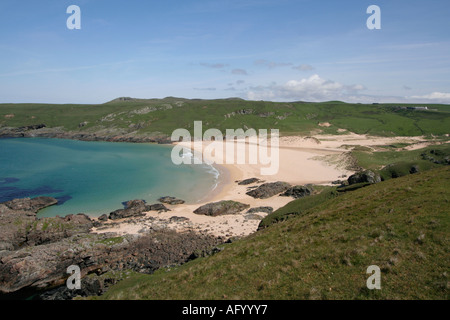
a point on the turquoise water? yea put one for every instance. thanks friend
(96, 177)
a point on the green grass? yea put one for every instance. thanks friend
(165, 115)
(376, 160)
(298, 207)
(111, 241)
(401, 225)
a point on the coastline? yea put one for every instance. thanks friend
(303, 160)
(318, 159)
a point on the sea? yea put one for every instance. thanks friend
(96, 178)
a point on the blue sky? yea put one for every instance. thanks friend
(279, 50)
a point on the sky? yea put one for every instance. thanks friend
(275, 50)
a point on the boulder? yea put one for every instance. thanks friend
(298, 192)
(33, 205)
(268, 190)
(178, 219)
(171, 200)
(414, 169)
(221, 208)
(103, 217)
(157, 207)
(248, 181)
(367, 176)
(133, 208)
(260, 209)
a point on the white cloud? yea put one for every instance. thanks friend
(436, 97)
(313, 89)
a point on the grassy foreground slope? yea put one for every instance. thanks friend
(148, 116)
(401, 225)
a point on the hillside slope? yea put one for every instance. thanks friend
(162, 116)
(401, 225)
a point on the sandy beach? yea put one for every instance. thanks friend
(318, 159)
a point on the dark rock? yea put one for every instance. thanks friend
(298, 192)
(178, 219)
(110, 134)
(248, 181)
(52, 229)
(261, 209)
(103, 217)
(35, 253)
(367, 176)
(133, 208)
(205, 253)
(414, 169)
(45, 266)
(157, 207)
(171, 200)
(32, 127)
(33, 205)
(253, 216)
(221, 208)
(268, 190)
(18, 221)
(92, 285)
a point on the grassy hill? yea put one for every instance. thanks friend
(164, 115)
(323, 250)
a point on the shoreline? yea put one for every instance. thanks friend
(303, 160)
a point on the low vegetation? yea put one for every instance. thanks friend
(146, 116)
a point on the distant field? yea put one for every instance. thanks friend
(165, 115)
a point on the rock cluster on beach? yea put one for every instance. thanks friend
(135, 208)
(221, 208)
(298, 191)
(267, 190)
(248, 181)
(170, 200)
(35, 252)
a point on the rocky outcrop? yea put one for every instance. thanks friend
(178, 219)
(136, 208)
(33, 205)
(221, 208)
(35, 253)
(45, 266)
(158, 207)
(248, 181)
(32, 127)
(171, 200)
(93, 134)
(298, 191)
(48, 230)
(260, 209)
(367, 176)
(268, 190)
(18, 221)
